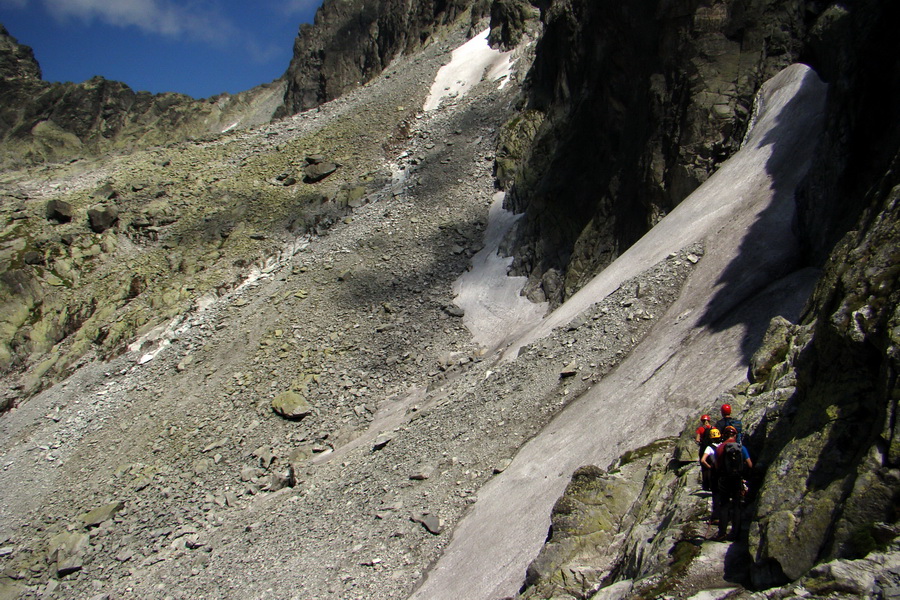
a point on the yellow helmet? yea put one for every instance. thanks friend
(715, 434)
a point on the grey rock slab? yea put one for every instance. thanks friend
(265, 456)
(430, 522)
(125, 555)
(101, 513)
(455, 311)
(382, 440)
(60, 211)
(502, 465)
(568, 371)
(102, 218)
(221, 443)
(422, 473)
(67, 551)
(314, 173)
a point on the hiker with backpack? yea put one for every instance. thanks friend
(703, 440)
(732, 461)
(727, 420)
(707, 462)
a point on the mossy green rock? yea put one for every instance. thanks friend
(101, 513)
(291, 405)
(773, 350)
(67, 551)
(623, 521)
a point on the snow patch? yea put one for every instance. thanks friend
(470, 63)
(494, 309)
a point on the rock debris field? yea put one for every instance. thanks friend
(166, 473)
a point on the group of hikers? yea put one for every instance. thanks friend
(723, 463)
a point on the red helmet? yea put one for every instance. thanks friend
(704, 418)
(726, 410)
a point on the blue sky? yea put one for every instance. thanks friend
(195, 47)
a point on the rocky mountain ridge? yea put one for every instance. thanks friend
(42, 121)
(350, 43)
(161, 469)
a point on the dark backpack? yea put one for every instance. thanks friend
(732, 460)
(736, 423)
(705, 439)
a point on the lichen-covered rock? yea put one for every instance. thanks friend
(67, 551)
(291, 405)
(102, 218)
(513, 144)
(101, 514)
(510, 20)
(773, 350)
(830, 472)
(620, 523)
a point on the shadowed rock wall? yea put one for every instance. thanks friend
(832, 487)
(821, 406)
(641, 102)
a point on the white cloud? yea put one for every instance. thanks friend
(300, 6)
(262, 53)
(154, 16)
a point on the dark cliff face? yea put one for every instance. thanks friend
(822, 417)
(641, 101)
(855, 51)
(839, 435)
(354, 40)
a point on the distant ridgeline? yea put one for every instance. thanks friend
(350, 43)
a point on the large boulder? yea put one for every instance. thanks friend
(60, 211)
(291, 405)
(101, 218)
(315, 172)
(622, 523)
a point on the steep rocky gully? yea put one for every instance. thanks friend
(168, 301)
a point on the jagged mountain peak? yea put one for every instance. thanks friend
(17, 62)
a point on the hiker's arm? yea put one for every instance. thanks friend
(704, 462)
(749, 463)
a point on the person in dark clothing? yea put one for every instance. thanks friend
(732, 461)
(727, 420)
